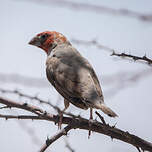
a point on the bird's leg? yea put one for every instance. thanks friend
(90, 120)
(66, 105)
(91, 114)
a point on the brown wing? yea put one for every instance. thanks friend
(74, 78)
(58, 80)
(95, 79)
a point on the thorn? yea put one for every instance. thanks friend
(101, 118)
(135, 58)
(145, 56)
(55, 122)
(122, 54)
(47, 141)
(16, 91)
(79, 116)
(45, 113)
(113, 53)
(138, 149)
(94, 41)
(114, 125)
(25, 104)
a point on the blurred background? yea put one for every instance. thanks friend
(125, 26)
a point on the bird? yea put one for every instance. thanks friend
(70, 73)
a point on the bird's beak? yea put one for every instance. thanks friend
(35, 41)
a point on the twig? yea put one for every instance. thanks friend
(24, 117)
(94, 43)
(4, 107)
(99, 9)
(125, 80)
(30, 131)
(135, 58)
(96, 126)
(101, 118)
(24, 80)
(100, 46)
(20, 94)
(68, 146)
(55, 137)
(138, 149)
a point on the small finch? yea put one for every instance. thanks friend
(70, 73)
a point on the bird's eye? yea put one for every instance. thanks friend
(43, 38)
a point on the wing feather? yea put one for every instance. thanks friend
(74, 78)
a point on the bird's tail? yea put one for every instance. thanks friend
(106, 110)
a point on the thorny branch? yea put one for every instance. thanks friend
(133, 57)
(63, 132)
(103, 47)
(81, 123)
(30, 131)
(41, 83)
(20, 94)
(24, 80)
(24, 117)
(118, 81)
(125, 80)
(69, 146)
(101, 118)
(34, 98)
(99, 9)
(94, 43)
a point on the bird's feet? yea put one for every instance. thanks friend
(60, 120)
(90, 122)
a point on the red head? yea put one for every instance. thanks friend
(48, 40)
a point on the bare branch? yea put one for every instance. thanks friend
(83, 123)
(69, 146)
(106, 80)
(138, 149)
(30, 131)
(103, 47)
(125, 80)
(126, 77)
(20, 94)
(101, 118)
(61, 133)
(4, 107)
(24, 80)
(94, 43)
(23, 106)
(133, 57)
(99, 9)
(24, 117)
